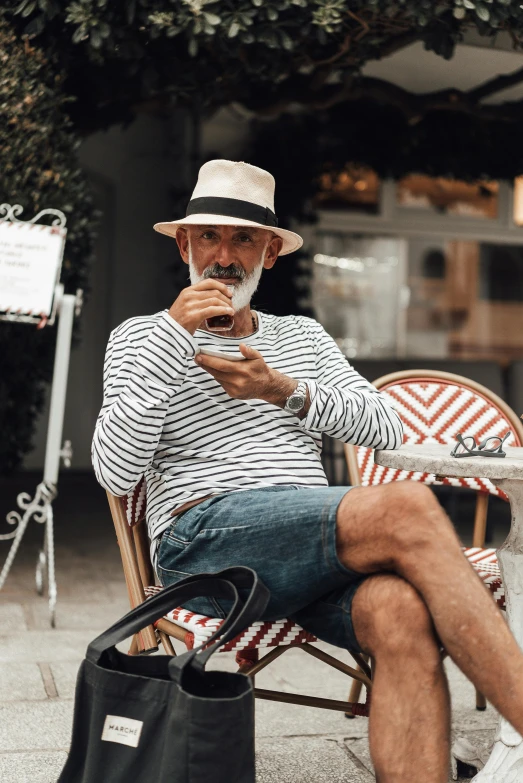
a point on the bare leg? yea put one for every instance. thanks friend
(410, 711)
(401, 528)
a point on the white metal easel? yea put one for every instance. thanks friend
(65, 306)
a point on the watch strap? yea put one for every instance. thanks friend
(300, 390)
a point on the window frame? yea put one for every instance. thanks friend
(394, 220)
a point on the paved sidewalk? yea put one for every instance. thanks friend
(39, 665)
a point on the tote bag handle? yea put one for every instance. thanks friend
(223, 584)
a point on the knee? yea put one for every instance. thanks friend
(415, 517)
(391, 619)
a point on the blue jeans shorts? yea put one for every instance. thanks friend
(288, 536)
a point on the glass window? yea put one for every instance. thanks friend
(501, 273)
(357, 284)
(354, 188)
(437, 195)
(474, 310)
(423, 297)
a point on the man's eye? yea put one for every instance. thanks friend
(245, 238)
(208, 235)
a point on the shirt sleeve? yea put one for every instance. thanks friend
(346, 406)
(139, 383)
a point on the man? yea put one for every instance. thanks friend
(231, 455)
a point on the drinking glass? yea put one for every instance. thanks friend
(221, 323)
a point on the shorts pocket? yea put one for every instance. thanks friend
(206, 605)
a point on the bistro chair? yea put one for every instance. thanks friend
(128, 515)
(434, 407)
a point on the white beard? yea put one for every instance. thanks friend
(243, 291)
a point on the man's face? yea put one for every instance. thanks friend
(235, 255)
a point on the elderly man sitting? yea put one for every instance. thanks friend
(230, 448)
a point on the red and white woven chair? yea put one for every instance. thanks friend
(128, 515)
(434, 407)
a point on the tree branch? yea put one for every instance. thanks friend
(413, 106)
(495, 85)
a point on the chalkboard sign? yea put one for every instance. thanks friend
(30, 263)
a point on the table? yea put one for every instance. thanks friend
(505, 764)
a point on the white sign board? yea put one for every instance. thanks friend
(30, 262)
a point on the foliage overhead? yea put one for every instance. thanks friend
(39, 169)
(265, 54)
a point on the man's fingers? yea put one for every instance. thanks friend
(210, 283)
(209, 296)
(249, 352)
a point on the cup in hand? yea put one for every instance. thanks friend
(221, 323)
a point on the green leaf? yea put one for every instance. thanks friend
(212, 19)
(35, 26)
(29, 8)
(79, 35)
(286, 40)
(483, 13)
(469, 4)
(459, 13)
(234, 29)
(193, 47)
(95, 38)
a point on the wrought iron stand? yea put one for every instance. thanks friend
(40, 508)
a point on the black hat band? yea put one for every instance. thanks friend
(232, 207)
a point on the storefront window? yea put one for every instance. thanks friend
(422, 297)
(441, 196)
(475, 311)
(357, 287)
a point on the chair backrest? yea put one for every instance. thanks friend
(434, 407)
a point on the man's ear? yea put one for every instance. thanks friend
(273, 250)
(182, 240)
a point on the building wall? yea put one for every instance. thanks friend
(134, 171)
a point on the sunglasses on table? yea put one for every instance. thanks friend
(490, 447)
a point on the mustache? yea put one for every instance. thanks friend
(219, 271)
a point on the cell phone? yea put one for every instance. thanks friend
(232, 357)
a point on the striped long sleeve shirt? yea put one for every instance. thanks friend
(166, 418)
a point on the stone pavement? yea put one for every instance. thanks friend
(39, 664)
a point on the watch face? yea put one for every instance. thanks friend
(296, 402)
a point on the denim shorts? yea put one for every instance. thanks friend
(288, 536)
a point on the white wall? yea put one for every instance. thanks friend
(133, 170)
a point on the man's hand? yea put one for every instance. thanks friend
(198, 302)
(252, 379)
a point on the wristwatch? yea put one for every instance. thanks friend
(296, 402)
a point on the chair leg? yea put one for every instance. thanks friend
(355, 691)
(134, 649)
(166, 643)
(481, 702)
(480, 519)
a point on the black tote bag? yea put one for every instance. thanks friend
(164, 719)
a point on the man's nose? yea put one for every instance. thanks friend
(224, 253)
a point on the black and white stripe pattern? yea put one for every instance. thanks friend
(167, 418)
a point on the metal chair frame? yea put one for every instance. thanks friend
(482, 498)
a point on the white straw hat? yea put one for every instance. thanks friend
(231, 193)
